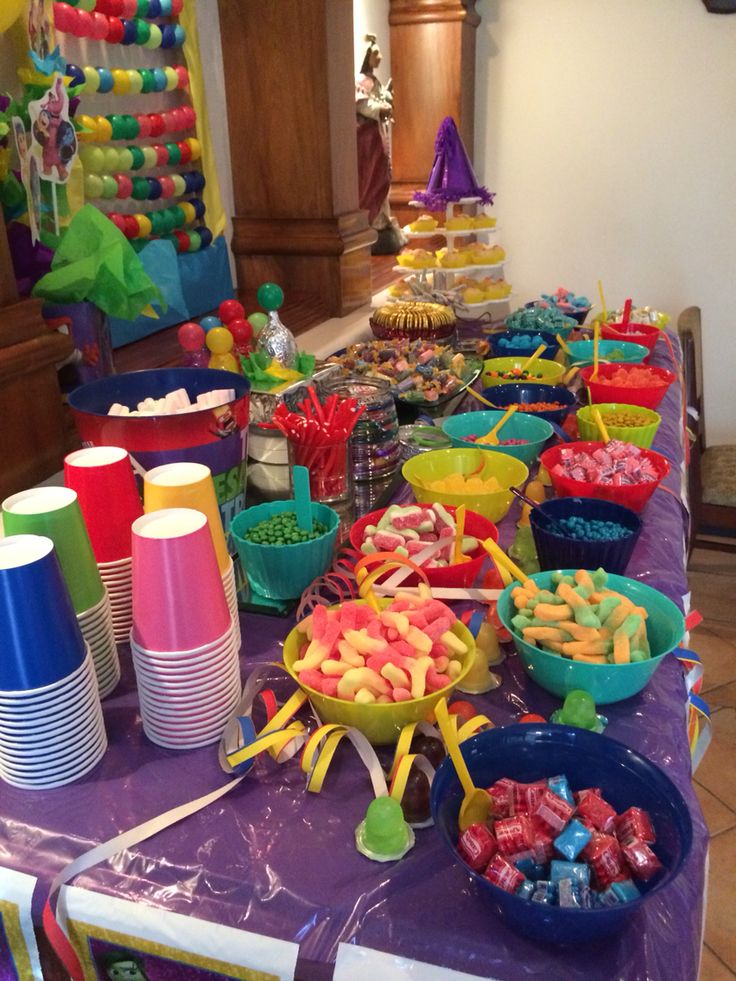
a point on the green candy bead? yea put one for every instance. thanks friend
(142, 31)
(147, 79)
(125, 159)
(109, 186)
(174, 153)
(138, 158)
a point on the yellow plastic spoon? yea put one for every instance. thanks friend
(596, 339)
(527, 364)
(476, 804)
(501, 559)
(570, 375)
(481, 398)
(491, 437)
(563, 344)
(457, 552)
(600, 424)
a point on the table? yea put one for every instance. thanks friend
(273, 860)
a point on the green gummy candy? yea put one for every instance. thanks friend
(545, 596)
(585, 616)
(519, 622)
(367, 548)
(600, 578)
(567, 580)
(606, 607)
(639, 655)
(630, 625)
(402, 551)
(387, 517)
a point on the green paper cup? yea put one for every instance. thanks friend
(55, 513)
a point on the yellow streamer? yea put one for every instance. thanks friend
(472, 726)
(317, 777)
(403, 746)
(311, 747)
(398, 786)
(265, 742)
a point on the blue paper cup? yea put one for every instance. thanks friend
(557, 552)
(284, 571)
(42, 642)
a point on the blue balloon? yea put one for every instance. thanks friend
(159, 80)
(180, 35)
(76, 74)
(199, 208)
(154, 9)
(165, 6)
(205, 235)
(168, 36)
(198, 181)
(106, 80)
(207, 323)
(188, 182)
(155, 188)
(129, 32)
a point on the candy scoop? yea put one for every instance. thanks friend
(476, 805)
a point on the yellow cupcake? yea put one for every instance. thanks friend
(484, 221)
(497, 289)
(487, 255)
(473, 295)
(459, 223)
(424, 223)
(453, 260)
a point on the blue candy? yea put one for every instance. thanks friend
(526, 889)
(559, 785)
(626, 890)
(578, 872)
(572, 840)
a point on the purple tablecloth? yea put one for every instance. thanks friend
(275, 860)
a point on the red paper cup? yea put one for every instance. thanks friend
(178, 600)
(105, 484)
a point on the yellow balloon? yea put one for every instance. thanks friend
(189, 213)
(104, 129)
(195, 146)
(10, 11)
(89, 123)
(144, 226)
(120, 81)
(219, 341)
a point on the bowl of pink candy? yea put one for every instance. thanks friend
(614, 471)
(413, 527)
(379, 671)
(632, 384)
(584, 831)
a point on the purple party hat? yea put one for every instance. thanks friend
(452, 176)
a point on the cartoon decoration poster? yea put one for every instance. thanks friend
(53, 145)
(29, 176)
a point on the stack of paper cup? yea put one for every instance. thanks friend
(51, 727)
(183, 641)
(55, 513)
(103, 479)
(190, 485)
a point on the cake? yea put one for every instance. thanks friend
(459, 223)
(424, 223)
(416, 259)
(484, 221)
(412, 319)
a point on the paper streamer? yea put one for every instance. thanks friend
(699, 725)
(316, 762)
(406, 737)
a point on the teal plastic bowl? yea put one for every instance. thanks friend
(606, 683)
(283, 572)
(521, 425)
(620, 352)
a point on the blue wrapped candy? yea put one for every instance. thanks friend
(559, 785)
(526, 889)
(625, 890)
(578, 872)
(572, 840)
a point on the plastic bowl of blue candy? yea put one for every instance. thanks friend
(529, 394)
(533, 316)
(596, 534)
(523, 343)
(532, 752)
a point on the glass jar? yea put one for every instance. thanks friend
(375, 440)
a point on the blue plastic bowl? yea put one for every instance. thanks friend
(606, 683)
(556, 552)
(519, 426)
(530, 752)
(505, 395)
(515, 344)
(621, 352)
(283, 572)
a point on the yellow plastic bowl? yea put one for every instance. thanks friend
(420, 470)
(380, 724)
(551, 371)
(642, 435)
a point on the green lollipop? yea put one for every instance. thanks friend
(270, 296)
(384, 835)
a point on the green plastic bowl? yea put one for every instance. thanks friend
(622, 352)
(283, 572)
(551, 371)
(508, 471)
(638, 435)
(521, 425)
(606, 683)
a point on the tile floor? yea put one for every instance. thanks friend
(713, 584)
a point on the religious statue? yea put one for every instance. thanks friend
(374, 108)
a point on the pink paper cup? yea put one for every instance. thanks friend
(105, 484)
(192, 704)
(178, 600)
(222, 663)
(173, 696)
(184, 655)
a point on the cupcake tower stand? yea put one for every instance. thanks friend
(445, 276)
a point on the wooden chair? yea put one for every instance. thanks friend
(712, 470)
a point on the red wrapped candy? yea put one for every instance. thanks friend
(580, 795)
(542, 842)
(501, 795)
(477, 846)
(635, 823)
(640, 858)
(553, 811)
(503, 874)
(603, 854)
(525, 796)
(514, 834)
(592, 809)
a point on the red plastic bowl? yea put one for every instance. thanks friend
(634, 496)
(602, 390)
(646, 334)
(446, 577)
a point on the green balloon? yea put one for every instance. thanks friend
(125, 158)
(146, 75)
(138, 158)
(131, 128)
(142, 31)
(195, 241)
(109, 186)
(257, 321)
(140, 188)
(270, 296)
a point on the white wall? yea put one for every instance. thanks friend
(609, 132)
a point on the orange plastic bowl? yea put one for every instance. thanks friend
(446, 577)
(604, 390)
(634, 496)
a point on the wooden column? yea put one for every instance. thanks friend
(291, 115)
(30, 401)
(433, 70)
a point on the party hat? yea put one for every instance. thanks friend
(452, 176)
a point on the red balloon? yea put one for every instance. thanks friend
(182, 239)
(131, 226)
(185, 150)
(162, 154)
(182, 75)
(465, 710)
(125, 185)
(63, 17)
(191, 336)
(115, 30)
(241, 330)
(117, 220)
(130, 8)
(82, 23)
(169, 119)
(189, 116)
(230, 310)
(532, 717)
(100, 26)
(176, 6)
(167, 187)
(145, 125)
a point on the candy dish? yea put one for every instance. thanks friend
(380, 723)
(529, 393)
(643, 334)
(542, 371)
(531, 432)
(522, 344)
(530, 752)
(620, 352)
(606, 683)
(605, 389)
(641, 434)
